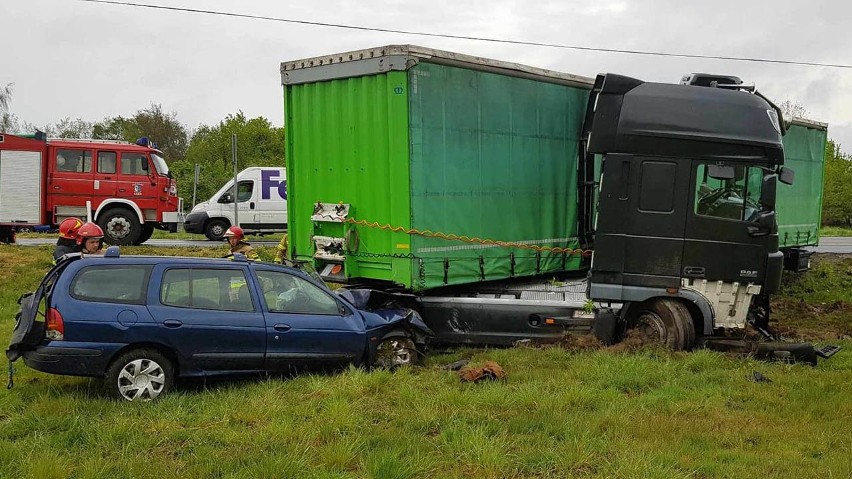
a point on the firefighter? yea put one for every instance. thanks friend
(281, 251)
(67, 242)
(90, 238)
(235, 236)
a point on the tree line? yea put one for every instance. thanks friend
(259, 143)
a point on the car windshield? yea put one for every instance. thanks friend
(160, 164)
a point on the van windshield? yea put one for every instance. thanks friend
(160, 164)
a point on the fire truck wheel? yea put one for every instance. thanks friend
(121, 227)
(215, 229)
(147, 231)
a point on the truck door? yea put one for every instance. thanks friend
(247, 204)
(70, 176)
(718, 246)
(272, 204)
(642, 216)
(135, 180)
(105, 178)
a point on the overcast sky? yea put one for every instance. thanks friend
(73, 59)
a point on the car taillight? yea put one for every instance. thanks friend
(54, 326)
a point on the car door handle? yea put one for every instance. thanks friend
(281, 327)
(172, 323)
(251, 205)
(121, 190)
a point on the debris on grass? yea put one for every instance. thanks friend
(489, 371)
(456, 365)
(757, 377)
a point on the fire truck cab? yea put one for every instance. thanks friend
(126, 188)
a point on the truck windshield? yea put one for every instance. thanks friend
(160, 164)
(735, 199)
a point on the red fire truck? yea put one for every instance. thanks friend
(126, 188)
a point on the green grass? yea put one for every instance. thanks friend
(835, 231)
(650, 413)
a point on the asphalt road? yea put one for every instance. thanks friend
(829, 244)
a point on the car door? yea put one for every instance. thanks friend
(209, 316)
(135, 179)
(305, 324)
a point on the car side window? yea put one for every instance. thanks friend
(287, 293)
(244, 190)
(204, 288)
(737, 198)
(111, 284)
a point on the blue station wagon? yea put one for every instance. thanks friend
(141, 321)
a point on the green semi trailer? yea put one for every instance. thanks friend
(471, 186)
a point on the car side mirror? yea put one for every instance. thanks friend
(718, 172)
(764, 225)
(226, 198)
(786, 175)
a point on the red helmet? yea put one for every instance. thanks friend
(89, 230)
(235, 232)
(68, 228)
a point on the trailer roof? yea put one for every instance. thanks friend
(402, 57)
(809, 123)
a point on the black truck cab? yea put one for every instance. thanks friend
(685, 234)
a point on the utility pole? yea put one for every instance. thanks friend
(195, 183)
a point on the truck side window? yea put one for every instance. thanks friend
(244, 190)
(734, 199)
(134, 164)
(74, 161)
(106, 162)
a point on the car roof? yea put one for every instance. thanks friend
(84, 260)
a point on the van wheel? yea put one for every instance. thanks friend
(395, 351)
(139, 375)
(666, 321)
(215, 229)
(121, 227)
(147, 232)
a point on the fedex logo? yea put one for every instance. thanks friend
(268, 181)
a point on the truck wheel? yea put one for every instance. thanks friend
(666, 321)
(121, 226)
(395, 351)
(147, 231)
(215, 229)
(139, 375)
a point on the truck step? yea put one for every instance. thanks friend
(828, 351)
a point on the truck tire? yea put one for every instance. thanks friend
(666, 321)
(147, 231)
(215, 229)
(121, 226)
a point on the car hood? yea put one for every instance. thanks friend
(381, 309)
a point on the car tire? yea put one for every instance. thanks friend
(215, 229)
(396, 350)
(121, 226)
(139, 375)
(147, 232)
(666, 321)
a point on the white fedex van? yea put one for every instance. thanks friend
(261, 205)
